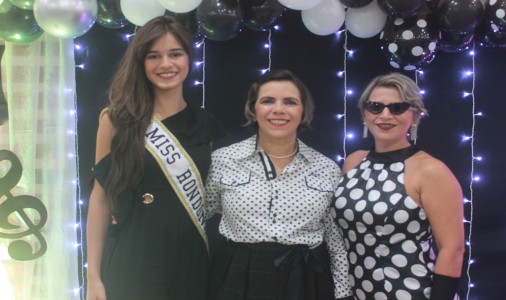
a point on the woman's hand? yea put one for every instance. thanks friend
(96, 290)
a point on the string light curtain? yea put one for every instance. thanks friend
(39, 84)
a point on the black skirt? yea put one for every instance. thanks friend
(261, 271)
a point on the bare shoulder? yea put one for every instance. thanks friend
(430, 173)
(427, 165)
(354, 159)
(105, 134)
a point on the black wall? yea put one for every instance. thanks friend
(232, 65)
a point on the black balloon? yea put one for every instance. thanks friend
(220, 20)
(355, 3)
(17, 25)
(488, 39)
(432, 4)
(110, 15)
(454, 42)
(495, 19)
(460, 16)
(410, 43)
(189, 21)
(260, 15)
(401, 8)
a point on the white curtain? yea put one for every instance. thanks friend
(38, 80)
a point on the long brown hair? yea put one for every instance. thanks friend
(131, 100)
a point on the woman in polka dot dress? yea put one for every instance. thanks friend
(274, 194)
(394, 201)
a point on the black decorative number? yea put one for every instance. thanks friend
(19, 249)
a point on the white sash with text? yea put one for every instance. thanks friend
(180, 170)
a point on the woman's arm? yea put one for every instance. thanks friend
(99, 216)
(441, 198)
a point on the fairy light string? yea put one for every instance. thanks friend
(472, 179)
(345, 98)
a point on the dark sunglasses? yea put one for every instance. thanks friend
(395, 108)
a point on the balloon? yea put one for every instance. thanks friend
(220, 20)
(355, 3)
(5, 6)
(495, 17)
(489, 40)
(325, 18)
(432, 4)
(110, 14)
(140, 12)
(365, 22)
(454, 42)
(260, 15)
(65, 18)
(410, 43)
(401, 8)
(180, 6)
(189, 21)
(299, 4)
(18, 26)
(460, 16)
(23, 4)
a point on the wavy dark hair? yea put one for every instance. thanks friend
(131, 101)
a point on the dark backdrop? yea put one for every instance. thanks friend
(232, 65)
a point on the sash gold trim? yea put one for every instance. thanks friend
(180, 171)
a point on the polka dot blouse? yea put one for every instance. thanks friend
(387, 234)
(290, 208)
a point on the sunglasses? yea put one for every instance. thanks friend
(395, 108)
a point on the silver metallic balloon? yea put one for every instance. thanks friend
(65, 18)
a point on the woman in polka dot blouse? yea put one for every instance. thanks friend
(274, 194)
(394, 201)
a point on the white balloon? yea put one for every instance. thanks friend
(140, 12)
(325, 18)
(65, 18)
(299, 4)
(366, 21)
(180, 6)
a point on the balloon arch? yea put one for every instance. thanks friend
(410, 31)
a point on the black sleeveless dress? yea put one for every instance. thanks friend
(155, 251)
(388, 236)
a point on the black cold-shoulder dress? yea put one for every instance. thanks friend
(155, 251)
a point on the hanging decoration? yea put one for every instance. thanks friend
(365, 22)
(325, 18)
(355, 3)
(401, 8)
(65, 18)
(180, 6)
(260, 15)
(13, 208)
(110, 14)
(299, 4)
(410, 43)
(140, 12)
(18, 26)
(460, 16)
(491, 33)
(189, 21)
(457, 23)
(23, 4)
(454, 42)
(220, 20)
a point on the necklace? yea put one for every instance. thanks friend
(284, 156)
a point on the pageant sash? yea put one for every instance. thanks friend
(180, 170)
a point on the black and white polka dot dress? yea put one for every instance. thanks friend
(387, 234)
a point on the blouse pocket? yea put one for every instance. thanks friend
(319, 184)
(235, 179)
